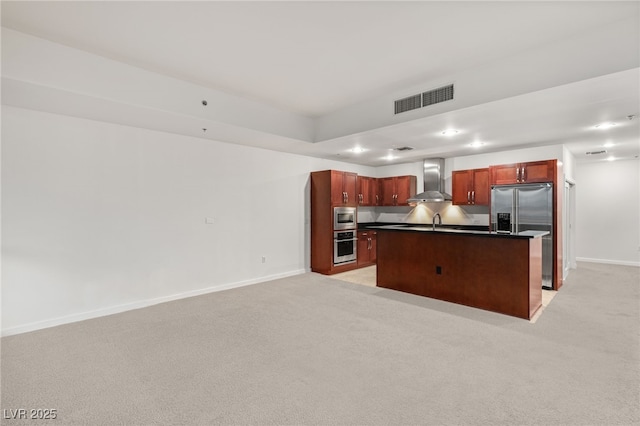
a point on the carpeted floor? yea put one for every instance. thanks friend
(313, 350)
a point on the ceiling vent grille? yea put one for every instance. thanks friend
(604, 151)
(424, 99)
(438, 95)
(407, 104)
(404, 148)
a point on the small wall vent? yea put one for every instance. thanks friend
(424, 99)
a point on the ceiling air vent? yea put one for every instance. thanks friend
(604, 151)
(407, 104)
(424, 99)
(438, 95)
(404, 148)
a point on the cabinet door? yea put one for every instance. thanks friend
(388, 191)
(537, 171)
(461, 186)
(376, 198)
(363, 248)
(405, 188)
(365, 190)
(337, 188)
(481, 195)
(349, 181)
(504, 174)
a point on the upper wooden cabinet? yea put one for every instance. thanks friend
(471, 187)
(395, 191)
(367, 191)
(343, 189)
(532, 172)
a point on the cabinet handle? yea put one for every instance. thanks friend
(468, 196)
(518, 174)
(524, 175)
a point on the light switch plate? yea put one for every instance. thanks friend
(209, 220)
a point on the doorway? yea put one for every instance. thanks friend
(568, 229)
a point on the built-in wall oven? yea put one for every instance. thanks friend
(345, 246)
(344, 218)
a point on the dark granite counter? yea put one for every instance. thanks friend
(461, 230)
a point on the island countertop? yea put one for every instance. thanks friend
(496, 272)
(461, 230)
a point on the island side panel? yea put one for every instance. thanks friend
(484, 272)
(535, 275)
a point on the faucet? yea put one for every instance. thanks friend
(433, 222)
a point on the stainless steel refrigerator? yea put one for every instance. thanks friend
(517, 208)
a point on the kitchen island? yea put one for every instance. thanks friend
(496, 272)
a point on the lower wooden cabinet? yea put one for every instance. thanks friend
(367, 248)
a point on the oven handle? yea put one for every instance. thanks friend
(348, 239)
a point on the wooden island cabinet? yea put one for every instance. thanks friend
(499, 273)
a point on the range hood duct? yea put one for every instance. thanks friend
(433, 172)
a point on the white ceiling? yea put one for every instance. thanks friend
(316, 58)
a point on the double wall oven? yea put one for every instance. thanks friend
(345, 235)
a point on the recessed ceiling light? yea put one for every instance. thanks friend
(476, 144)
(358, 150)
(608, 145)
(389, 157)
(450, 132)
(604, 126)
(611, 158)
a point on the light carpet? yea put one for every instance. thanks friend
(313, 350)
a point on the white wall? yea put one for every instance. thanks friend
(98, 218)
(608, 212)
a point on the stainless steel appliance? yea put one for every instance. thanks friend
(344, 218)
(345, 246)
(433, 173)
(517, 208)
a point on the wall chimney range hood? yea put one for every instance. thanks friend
(433, 170)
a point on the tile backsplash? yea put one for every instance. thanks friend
(423, 213)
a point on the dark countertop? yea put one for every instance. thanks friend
(455, 230)
(372, 225)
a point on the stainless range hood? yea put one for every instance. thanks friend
(433, 183)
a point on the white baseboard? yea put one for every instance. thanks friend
(608, 261)
(38, 325)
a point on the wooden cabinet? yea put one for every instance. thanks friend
(367, 241)
(471, 187)
(531, 172)
(468, 269)
(395, 191)
(343, 189)
(367, 191)
(329, 189)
